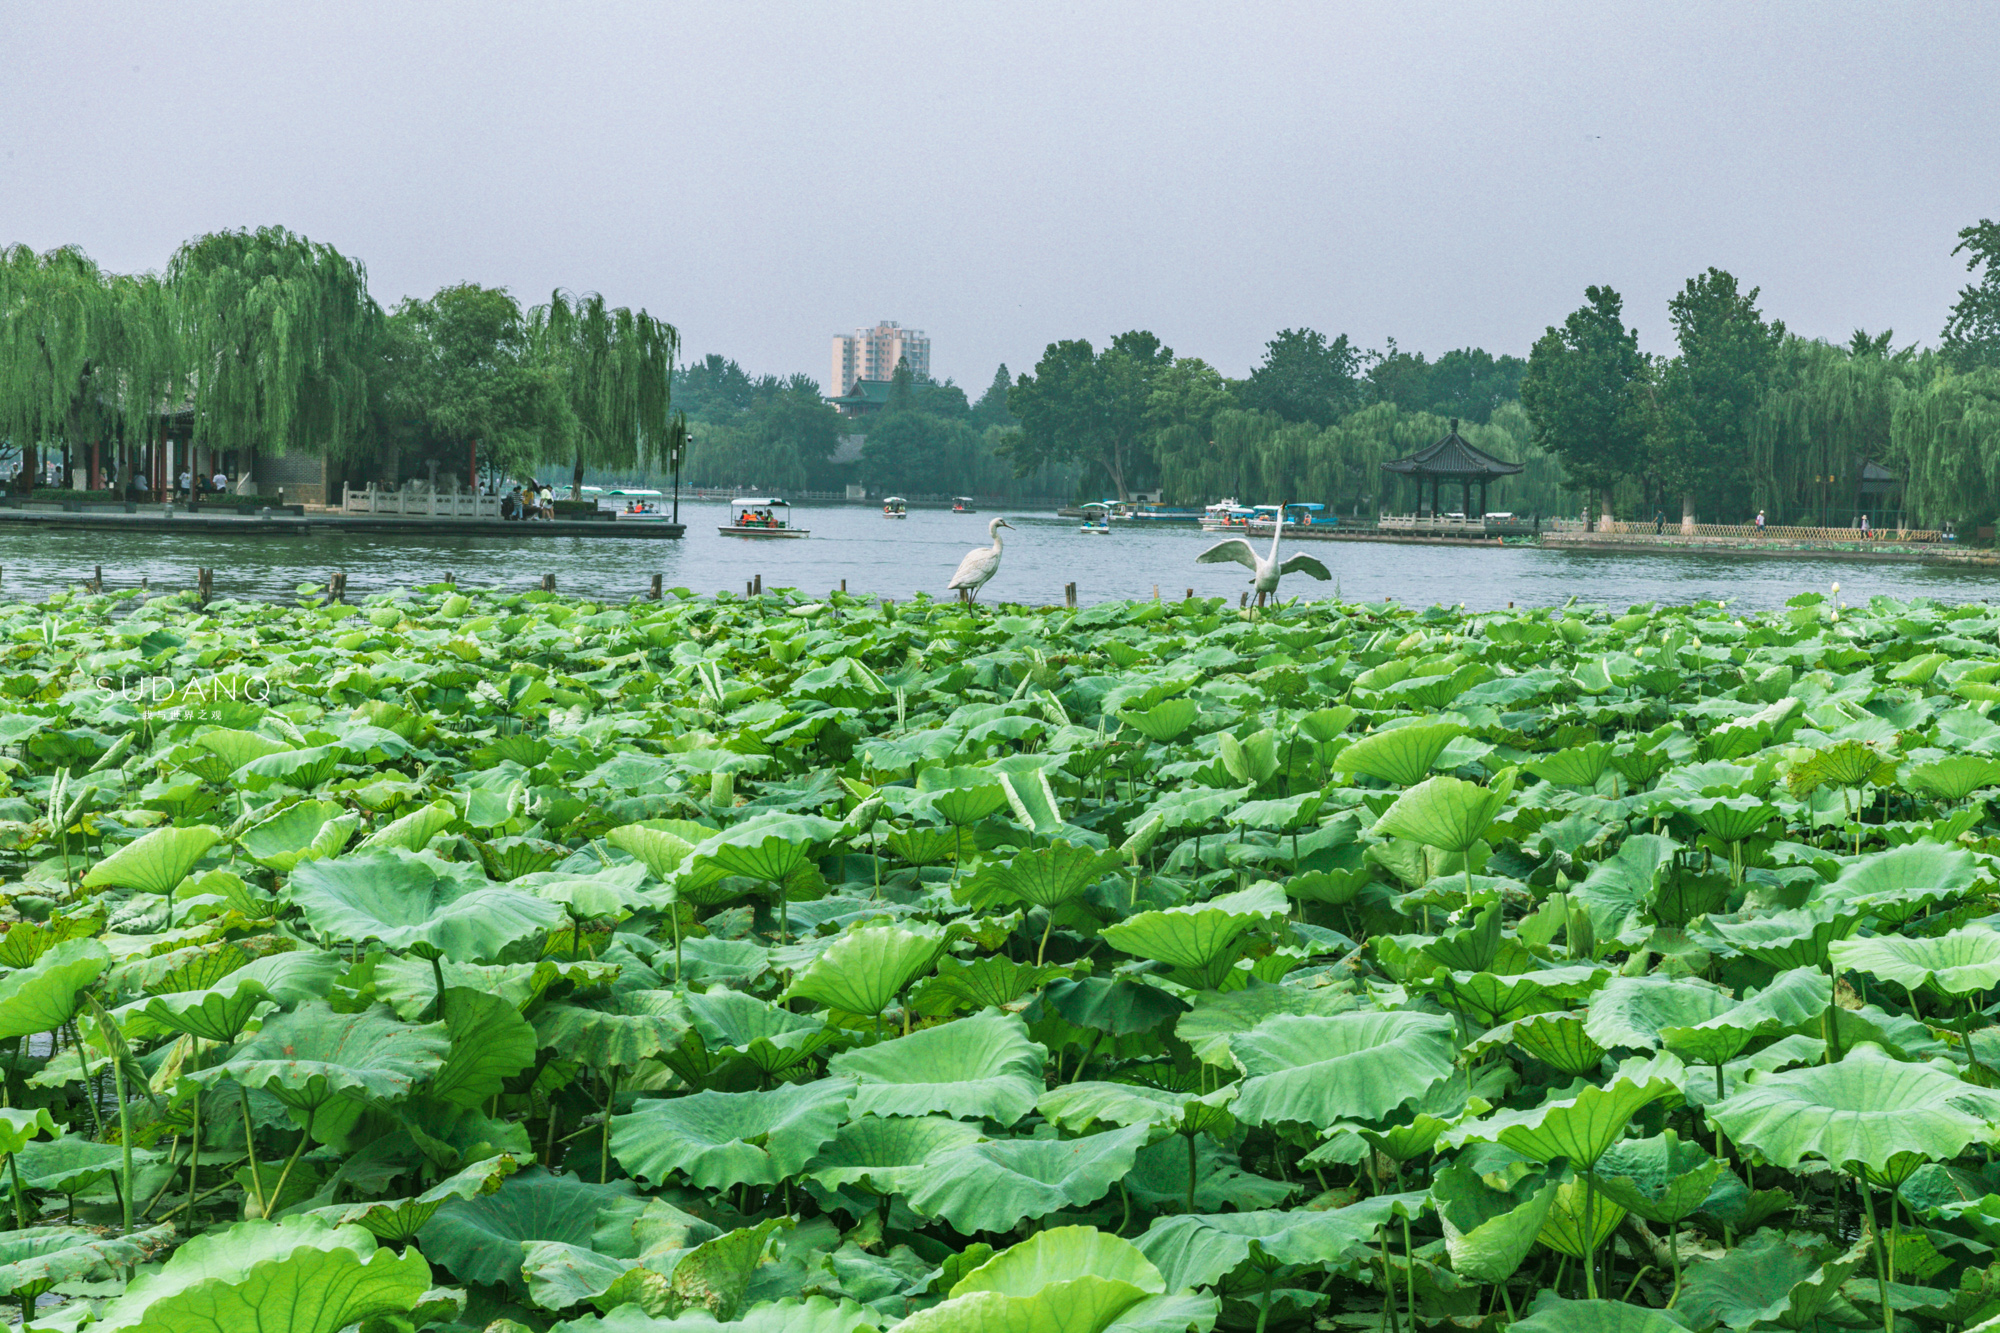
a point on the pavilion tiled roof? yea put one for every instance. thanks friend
(1452, 457)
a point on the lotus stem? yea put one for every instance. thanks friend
(1190, 1188)
(1044, 947)
(20, 1197)
(1589, 1239)
(610, 1105)
(250, 1150)
(1881, 1273)
(437, 971)
(277, 1194)
(112, 1042)
(194, 1135)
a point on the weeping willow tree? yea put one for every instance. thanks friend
(1946, 436)
(1260, 458)
(1826, 411)
(613, 372)
(278, 333)
(84, 355)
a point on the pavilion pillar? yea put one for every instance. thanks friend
(1465, 504)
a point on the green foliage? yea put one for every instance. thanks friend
(1330, 1021)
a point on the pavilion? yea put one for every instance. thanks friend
(1452, 459)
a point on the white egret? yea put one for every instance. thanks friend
(981, 563)
(1265, 570)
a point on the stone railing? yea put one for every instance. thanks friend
(419, 504)
(1736, 531)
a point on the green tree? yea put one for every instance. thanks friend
(613, 382)
(991, 409)
(1088, 407)
(1585, 393)
(1972, 334)
(1700, 441)
(82, 352)
(279, 333)
(1304, 377)
(458, 367)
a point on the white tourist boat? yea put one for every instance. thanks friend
(760, 516)
(636, 505)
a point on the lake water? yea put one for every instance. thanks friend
(900, 558)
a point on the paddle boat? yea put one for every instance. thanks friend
(1097, 518)
(760, 516)
(635, 505)
(895, 506)
(962, 504)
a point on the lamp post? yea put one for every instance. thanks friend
(678, 440)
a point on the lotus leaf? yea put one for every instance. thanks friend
(156, 862)
(982, 1067)
(478, 1237)
(312, 1054)
(1769, 1279)
(1199, 1250)
(410, 900)
(1355, 1066)
(303, 831)
(42, 996)
(1198, 936)
(1399, 755)
(398, 1220)
(718, 1139)
(1489, 1231)
(297, 1276)
(1868, 1108)
(864, 970)
(887, 1154)
(997, 1185)
(1446, 812)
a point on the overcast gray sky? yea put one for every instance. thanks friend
(1003, 175)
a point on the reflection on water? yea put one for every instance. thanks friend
(901, 558)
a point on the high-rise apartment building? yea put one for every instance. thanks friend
(872, 354)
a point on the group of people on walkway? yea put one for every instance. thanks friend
(537, 501)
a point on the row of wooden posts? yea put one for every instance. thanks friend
(336, 587)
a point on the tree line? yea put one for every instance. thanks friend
(1745, 416)
(265, 341)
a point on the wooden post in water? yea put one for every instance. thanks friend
(451, 578)
(97, 582)
(749, 588)
(548, 583)
(656, 592)
(1190, 594)
(204, 585)
(843, 585)
(1069, 595)
(760, 585)
(336, 586)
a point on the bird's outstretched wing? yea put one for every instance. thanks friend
(1234, 549)
(1302, 563)
(976, 568)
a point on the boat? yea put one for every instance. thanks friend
(760, 516)
(1228, 516)
(635, 505)
(895, 506)
(962, 504)
(1096, 518)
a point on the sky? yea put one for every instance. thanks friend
(766, 175)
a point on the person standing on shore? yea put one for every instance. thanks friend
(1760, 522)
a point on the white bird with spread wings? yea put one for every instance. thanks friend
(1265, 570)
